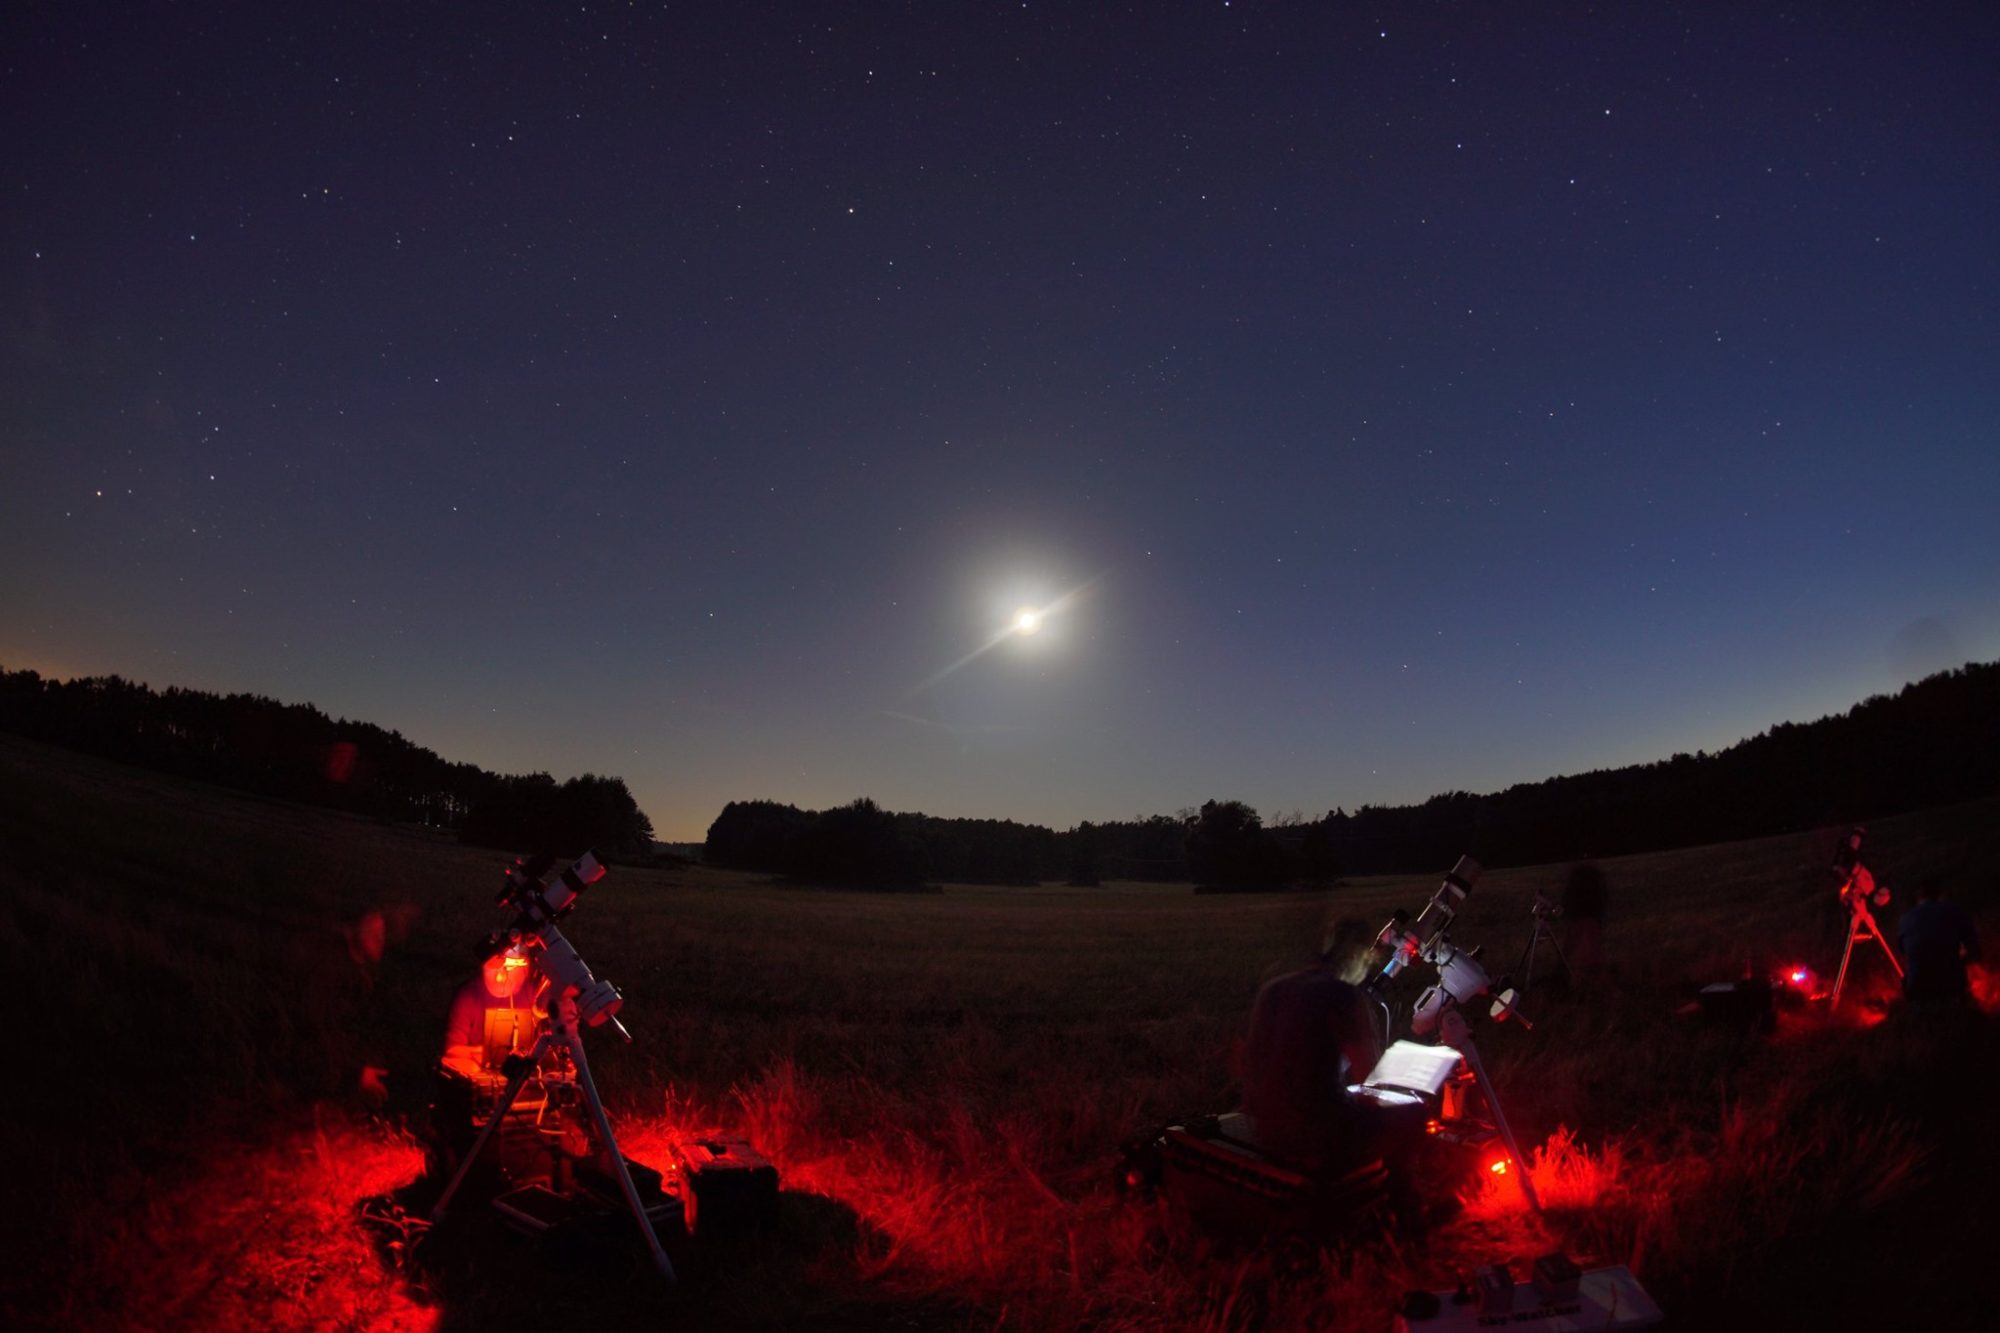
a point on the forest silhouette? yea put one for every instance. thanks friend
(1933, 742)
(295, 752)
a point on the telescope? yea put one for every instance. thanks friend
(1858, 893)
(575, 997)
(1544, 910)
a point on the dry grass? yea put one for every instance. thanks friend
(943, 1079)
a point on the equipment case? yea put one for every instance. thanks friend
(725, 1186)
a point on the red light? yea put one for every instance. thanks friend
(1499, 1168)
(340, 760)
(1798, 974)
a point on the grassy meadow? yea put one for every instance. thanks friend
(943, 1079)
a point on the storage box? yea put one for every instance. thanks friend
(1213, 1168)
(725, 1186)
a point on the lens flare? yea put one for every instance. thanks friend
(1025, 621)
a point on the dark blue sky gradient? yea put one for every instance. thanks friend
(1423, 397)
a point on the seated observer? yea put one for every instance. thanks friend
(1312, 1035)
(492, 1016)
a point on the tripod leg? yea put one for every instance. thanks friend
(603, 1123)
(1876, 931)
(1841, 980)
(486, 1131)
(1457, 1035)
(1569, 973)
(1526, 967)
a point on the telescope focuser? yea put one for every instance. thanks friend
(1411, 941)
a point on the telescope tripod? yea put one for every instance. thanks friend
(562, 1028)
(1456, 1033)
(1860, 927)
(1526, 967)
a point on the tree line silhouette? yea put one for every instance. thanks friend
(1934, 742)
(297, 753)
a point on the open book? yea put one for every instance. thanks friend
(1409, 1067)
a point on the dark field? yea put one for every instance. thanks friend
(943, 1079)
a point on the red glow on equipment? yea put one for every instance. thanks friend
(1499, 1167)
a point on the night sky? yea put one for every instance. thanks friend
(1378, 401)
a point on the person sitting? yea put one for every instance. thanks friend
(492, 1016)
(1938, 940)
(1312, 1035)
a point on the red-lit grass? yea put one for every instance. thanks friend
(943, 1080)
(263, 1235)
(977, 1212)
(1568, 1177)
(1985, 987)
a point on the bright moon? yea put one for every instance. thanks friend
(1027, 620)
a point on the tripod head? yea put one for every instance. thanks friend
(540, 900)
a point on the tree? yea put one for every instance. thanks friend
(1227, 848)
(755, 835)
(1318, 865)
(857, 844)
(535, 814)
(1083, 856)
